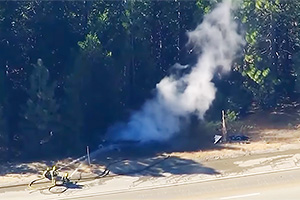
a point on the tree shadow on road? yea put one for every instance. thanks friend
(158, 166)
(156, 159)
(23, 168)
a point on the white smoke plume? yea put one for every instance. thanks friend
(217, 41)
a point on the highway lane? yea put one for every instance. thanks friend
(275, 186)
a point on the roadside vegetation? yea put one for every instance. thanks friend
(70, 69)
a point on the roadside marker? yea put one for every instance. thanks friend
(88, 155)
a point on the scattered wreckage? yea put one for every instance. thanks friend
(53, 180)
(225, 137)
(232, 138)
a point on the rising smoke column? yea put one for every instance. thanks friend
(217, 42)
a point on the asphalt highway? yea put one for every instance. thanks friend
(274, 186)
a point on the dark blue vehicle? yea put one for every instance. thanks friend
(239, 138)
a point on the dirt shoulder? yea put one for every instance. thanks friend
(271, 131)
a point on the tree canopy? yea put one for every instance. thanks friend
(71, 69)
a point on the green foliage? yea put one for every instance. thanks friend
(72, 117)
(91, 42)
(296, 64)
(256, 75)
(40, 119)
(105, 57)
(4, 138)
(269, 47)
(251, 37)
(231, 115)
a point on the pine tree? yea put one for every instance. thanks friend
(40, 116)
(72, 115)
(3, 135)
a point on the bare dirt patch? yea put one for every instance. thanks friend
(268, 131)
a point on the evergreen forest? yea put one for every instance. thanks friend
(71, 69)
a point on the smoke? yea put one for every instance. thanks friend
(216, 41)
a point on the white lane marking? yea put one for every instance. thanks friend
(241, 196)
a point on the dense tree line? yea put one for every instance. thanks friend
(70, 69)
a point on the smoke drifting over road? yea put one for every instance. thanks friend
(217, 42)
